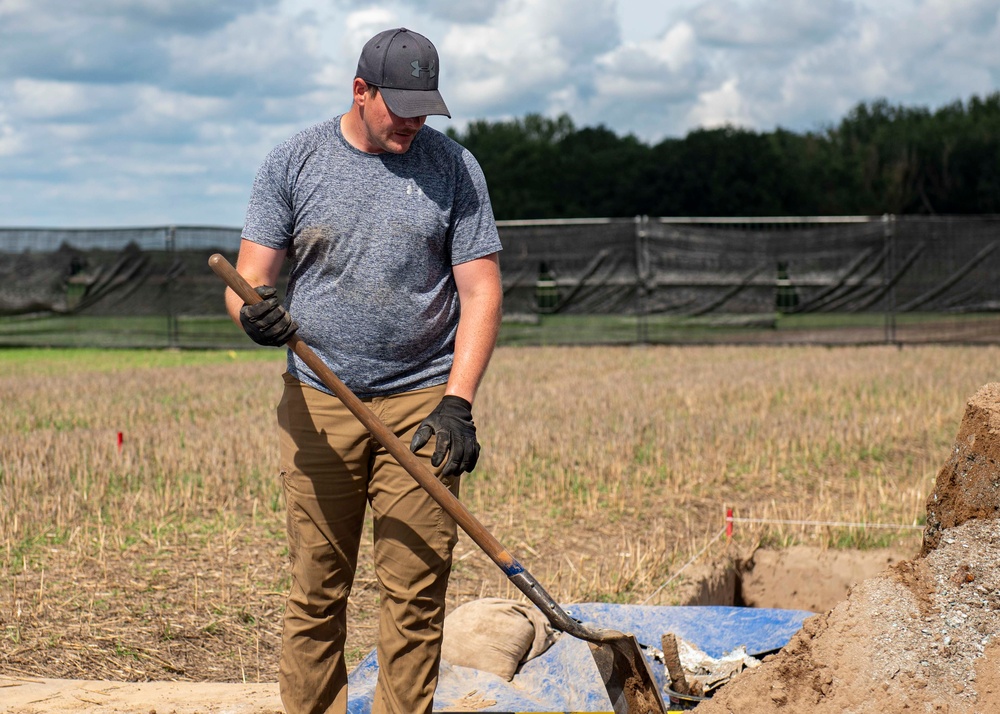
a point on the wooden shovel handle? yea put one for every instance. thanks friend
(406, 458)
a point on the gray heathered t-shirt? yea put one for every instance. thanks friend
(372, 239)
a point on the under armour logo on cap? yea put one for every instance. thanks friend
(404, 66)
(417, 69)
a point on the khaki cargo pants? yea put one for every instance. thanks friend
(332, 468)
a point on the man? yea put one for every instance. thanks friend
(394, 281)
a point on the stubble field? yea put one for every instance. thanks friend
(604, 470)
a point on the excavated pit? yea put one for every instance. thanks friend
(797, 578)
(915, 635)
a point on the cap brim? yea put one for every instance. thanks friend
(409, 103)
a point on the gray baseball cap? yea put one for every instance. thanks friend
(404, 66)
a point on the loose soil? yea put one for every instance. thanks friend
(918, 637)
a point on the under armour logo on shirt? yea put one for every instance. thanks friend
(417, 69)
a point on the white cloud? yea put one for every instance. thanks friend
(10, 141)
(74, 134)
(530, 51)
(260, 53)
(677, 47)
(466, 11)
(158, 105)
(770, 24)
(648, 19)
(42, 99)
(226, 189)
(721, 106)
(652, 66)
(362, 25)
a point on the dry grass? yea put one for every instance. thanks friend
(603, 470)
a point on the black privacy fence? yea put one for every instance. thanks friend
(644, 280)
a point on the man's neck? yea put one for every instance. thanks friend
(352, 127)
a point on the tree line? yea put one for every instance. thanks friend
(880, 158)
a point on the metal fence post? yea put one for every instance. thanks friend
(641, 274)
(173, 337)
(889, 236)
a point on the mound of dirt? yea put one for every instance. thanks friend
(920, 636)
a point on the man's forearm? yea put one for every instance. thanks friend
(474, 344)
(258, 265)
(478, 327)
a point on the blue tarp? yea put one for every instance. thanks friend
(565, 678)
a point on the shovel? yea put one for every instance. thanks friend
(623, 668)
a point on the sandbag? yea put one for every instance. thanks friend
(495, 635)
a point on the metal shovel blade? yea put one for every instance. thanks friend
(624, 669)
(626, 675)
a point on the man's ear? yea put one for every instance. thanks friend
(360, 90)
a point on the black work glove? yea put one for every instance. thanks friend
(451, 423)
(267, 322)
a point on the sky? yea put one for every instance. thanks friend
(158, 112)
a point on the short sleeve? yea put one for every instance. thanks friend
(270, 219)
(473, 231)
